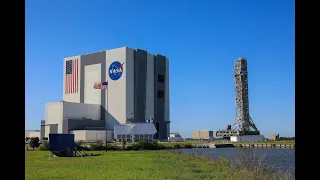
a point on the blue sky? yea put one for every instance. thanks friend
(201, 38)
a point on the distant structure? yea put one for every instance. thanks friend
(274, 137)
(243, 125)
(174, 137)
(32, 133)
(134, 132)
(203, 134)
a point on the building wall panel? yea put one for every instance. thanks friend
(80, 111)
(116, 88)
(150, 87)
(130, 84)
(54, 112)
(92, 75)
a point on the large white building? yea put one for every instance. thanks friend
(138, 89)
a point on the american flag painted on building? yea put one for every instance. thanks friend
(72, 75)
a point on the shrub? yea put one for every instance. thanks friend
(134, 146)
(34, 142)
(45, 146)
(176, 146)
(97, 146)
(84, 148)
(188, 146)
(146, 145)
(112, 147)
(78, 143)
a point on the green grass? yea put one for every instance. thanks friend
(130, 165)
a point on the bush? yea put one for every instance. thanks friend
(134, 146)
(112, 147)
(45, 146)
(188, 146)
(84, 148)
(34, 142)
(176, 146)
(97, 146)
(146, 145)
(79, 143)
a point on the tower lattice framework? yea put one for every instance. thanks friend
(243, 122)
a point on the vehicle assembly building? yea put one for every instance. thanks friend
(244, 125)
(111, 88)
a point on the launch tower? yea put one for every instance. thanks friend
(243, 125)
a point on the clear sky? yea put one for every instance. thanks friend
(202, 39)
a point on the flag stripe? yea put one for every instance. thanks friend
(65, 86)
(72, 78)
(76, 76)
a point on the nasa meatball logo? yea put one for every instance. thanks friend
(116, 70)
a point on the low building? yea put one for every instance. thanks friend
(247, 138)
(135, 132)
(174, 137)
(203, 134)
(274, 137)
(92, 135)
(32, 133)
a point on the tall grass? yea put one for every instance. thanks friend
(248, 165)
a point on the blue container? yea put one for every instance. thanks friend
(61, 142)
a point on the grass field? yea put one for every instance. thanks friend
(138, 165)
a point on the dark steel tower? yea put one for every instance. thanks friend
(243, 122)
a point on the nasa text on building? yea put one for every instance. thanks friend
(136, 89)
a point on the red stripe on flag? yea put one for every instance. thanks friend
(68, 77)
(65, 84)
(67, 81)
(72, 75)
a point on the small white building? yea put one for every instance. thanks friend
(92, 135)
(174, 137)
(135, 132)
(247, 138)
